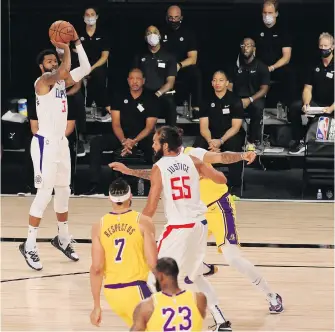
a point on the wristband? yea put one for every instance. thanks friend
(159, 93)
(180, 64)
(221, 141)
(251, 99)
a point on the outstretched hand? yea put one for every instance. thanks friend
(249, 156)
(119, 167)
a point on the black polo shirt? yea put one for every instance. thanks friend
(220, 112)
(179, 42)
(321, 78)
(156, 67)
(270, 41)
(248, 78)
(134, 112)
(95, 44)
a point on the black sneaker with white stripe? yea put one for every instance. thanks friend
(226, 326)
(68, 251)
(297, 147)
(31, 257)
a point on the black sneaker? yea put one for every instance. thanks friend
(226, 326)
(31, 257)
(27, 191)
(94, 191)
(297, 148)
(81, 149)
(68, 251)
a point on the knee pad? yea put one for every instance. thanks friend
(61, 199)
(40, 203)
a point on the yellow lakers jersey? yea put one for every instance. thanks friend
(175, 313)
(123, 243)
(209, 190)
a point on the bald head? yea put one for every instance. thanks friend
(174, 17)
(174, 11)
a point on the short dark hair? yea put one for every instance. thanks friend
(136, 69)
(220, 71)
(172, 136)
(42, 54)
(168, 266)
(119, 187)
(91, 7)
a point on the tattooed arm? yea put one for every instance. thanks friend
(139, 173)
(228, 157)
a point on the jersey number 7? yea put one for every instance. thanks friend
(180, 187)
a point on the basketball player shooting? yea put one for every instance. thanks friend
(49, 146)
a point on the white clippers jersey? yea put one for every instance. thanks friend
(181, 192)
(52, 110)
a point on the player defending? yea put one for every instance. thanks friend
(172, 309)
(123, 251)
(221, 217)
(184, 237)
(49, 147)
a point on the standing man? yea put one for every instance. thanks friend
(134, 116)
(49, 148)
(251, 82)
(274, 49)
(160, 71)
(181, 41)
(221, 129)
(175, 177)
(318, 91)
(96, 44)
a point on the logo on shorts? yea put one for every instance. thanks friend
(232, 237)
(38, 179)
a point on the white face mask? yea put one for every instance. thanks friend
(153, 39)
(268, 19)
(60, 51)
(90, 20)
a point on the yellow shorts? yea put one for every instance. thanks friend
(123, 298)
(221, 218)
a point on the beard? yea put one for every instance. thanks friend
(47, 70)
(158, 286)
(157, 155)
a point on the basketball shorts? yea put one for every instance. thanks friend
(123, 298)
(186, 244)
(51, 161)
(221, 217)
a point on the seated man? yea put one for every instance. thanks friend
(251, 83)
(274, 49)
(221, 125)
(160, 70)
(318, 91)
(181, 41)
(134, 116)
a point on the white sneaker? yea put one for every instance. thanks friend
(31, 257)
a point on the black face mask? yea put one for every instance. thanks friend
(174, 25)
(325, 53)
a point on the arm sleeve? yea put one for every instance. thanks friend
(192, 43)
(237, 111)
(264, 74)
(171, 66)
(85, 68)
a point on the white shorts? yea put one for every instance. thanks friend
(51, 160)
(186, 244)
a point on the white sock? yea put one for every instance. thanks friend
(31, 239)
(63, 232)
(213, 302)
(233, 257)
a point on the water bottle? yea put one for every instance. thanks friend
(140, 187)
(94, 111)
(186, 113)
(22, 107)
(280, 111)
(319, 194)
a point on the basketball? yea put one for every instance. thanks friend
(61, 31)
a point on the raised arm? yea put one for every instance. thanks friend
(155, 192)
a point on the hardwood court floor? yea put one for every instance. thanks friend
(58, 298)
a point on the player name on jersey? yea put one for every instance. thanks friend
(119, 228)
(178, 167)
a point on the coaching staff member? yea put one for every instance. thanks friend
(134, 116)
(160, 71)
(251, 82)
(221, 124)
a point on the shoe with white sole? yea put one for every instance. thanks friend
(32, 258)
